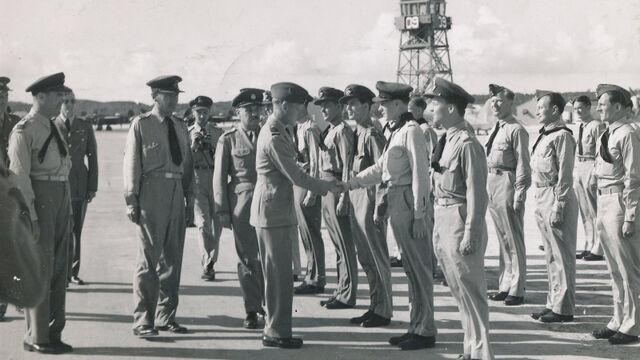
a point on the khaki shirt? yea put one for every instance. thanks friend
(430, 136)
(273, 203)
(337, 152)
(552, 163)
(510, 151)
(308, 145)
(147, 153)
(203, 151)
(404, 162)
(591, 132)
(25, 142)
(464, 176)
(235, 167)
(82, 144)
(7, 122)
(624, 147)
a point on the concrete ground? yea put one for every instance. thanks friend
(99, 315)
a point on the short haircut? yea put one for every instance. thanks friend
(583, 99)
(557, 100)
(617, 97)
(419, 102)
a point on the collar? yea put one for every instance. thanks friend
(155, 112)
(39, 117)
(460, 126)
(619, 123)
(507, 120)
(556, 124)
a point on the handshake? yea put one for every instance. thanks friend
(337, 187)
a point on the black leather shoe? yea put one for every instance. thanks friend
(64, 348)
(415, 342)
(553, 317)
(593, 257)
(540, 314)
(251, 321)
(42, 348)
(582, 254)
(325, 302)
(76, 280)
(398, 339)
(498, 296)
(337, 304)
(173, 327)
(514, 300)
(144, 331)
(2, 316)
(376, 320)
(307, 289)
(284, 343)
(603, 333)
(622, 338)
(209, 274)
(395, 262)
(362, 318)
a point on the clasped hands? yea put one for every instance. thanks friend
(338, 187)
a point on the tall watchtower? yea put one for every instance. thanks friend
(424, 47)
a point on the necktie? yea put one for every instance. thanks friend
(174, 146)
(355, 140)
(580, 139)
(489, 144)
(437, 153)
(54, 134)
(67, 123)
(544, 132)
(604, 147)
(392, 129)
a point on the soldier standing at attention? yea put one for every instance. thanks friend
(204, 136)
(402, 169)
(552, 160)
(336, 154)
(234, 180)
(584, 183)
(38, 155)
(158, 179)
(618, 176)
(509, 178)
(83, 180)
(272, 208)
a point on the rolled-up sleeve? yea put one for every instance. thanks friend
(565, 147)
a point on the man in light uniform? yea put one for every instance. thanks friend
(234, 179)
(38, 155)
(367, 223)
(618, 177)
(584, 184)
(158, 181)
(83, 179)
(403, 170)
(552, 159)
(272, 209)
(336, 154)
(507, 183)
(460, 234)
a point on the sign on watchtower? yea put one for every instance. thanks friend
(424, 48)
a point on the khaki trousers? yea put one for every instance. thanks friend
(208, 224)
(588, 203)
(309, 225)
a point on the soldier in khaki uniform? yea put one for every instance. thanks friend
(234, 180)
(403, 171)
(157, 160)
(272, 208)
(38, 155)
(83, 180)
(552, 159)
(584, 184)
(204, 137)
(336, 154)
(460, 234)
(507, 184)
(618, 177)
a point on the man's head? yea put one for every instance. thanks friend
(393, 99)
(358, 101)
(48, 94)
(164, 91)
(417, 105)
(200, 108)
(68, 105)
(330, 107)
(289, 102)
(249, 105)
(448, 103)
(549, 107)
(582, 108)
(4, 94)
(613, 102)
(501, 101)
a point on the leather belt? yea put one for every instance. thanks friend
(203, 167)
(163, 174)
(544, 184)
(586, 158)
(50, 177)
(449, 201)
(613, 189)
(392, 186)
(499, 171)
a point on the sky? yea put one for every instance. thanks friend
(110, 49)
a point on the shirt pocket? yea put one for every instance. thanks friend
(502, 154)
(152, 153)
(449, 175)
(397, 160)
(240, 157)
(328, 156)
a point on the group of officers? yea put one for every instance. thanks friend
(277, 174)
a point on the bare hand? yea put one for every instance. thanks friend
(518, 206)
(466, 246)
(419, 228)
(225, 221)
(133, 212)
(627, 229)
(309, 200)
(342, 209)
(556, 219)
(91, 195)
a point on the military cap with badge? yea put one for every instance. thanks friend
(201, 102)
(360, 92)
(622, 93)
(49, 83)
(287, 91)
(451, 92)
(166, 83)
(247, 97)
(326, 93)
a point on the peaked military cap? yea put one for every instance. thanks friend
(201, 101)
(291, 92)
(167, 83)
(3, 83)
(451, 92)
(54, 82)
(355, 91)
(326, 93)
(605, 88)
(248, 96)
(556, 98)
(392, 91)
